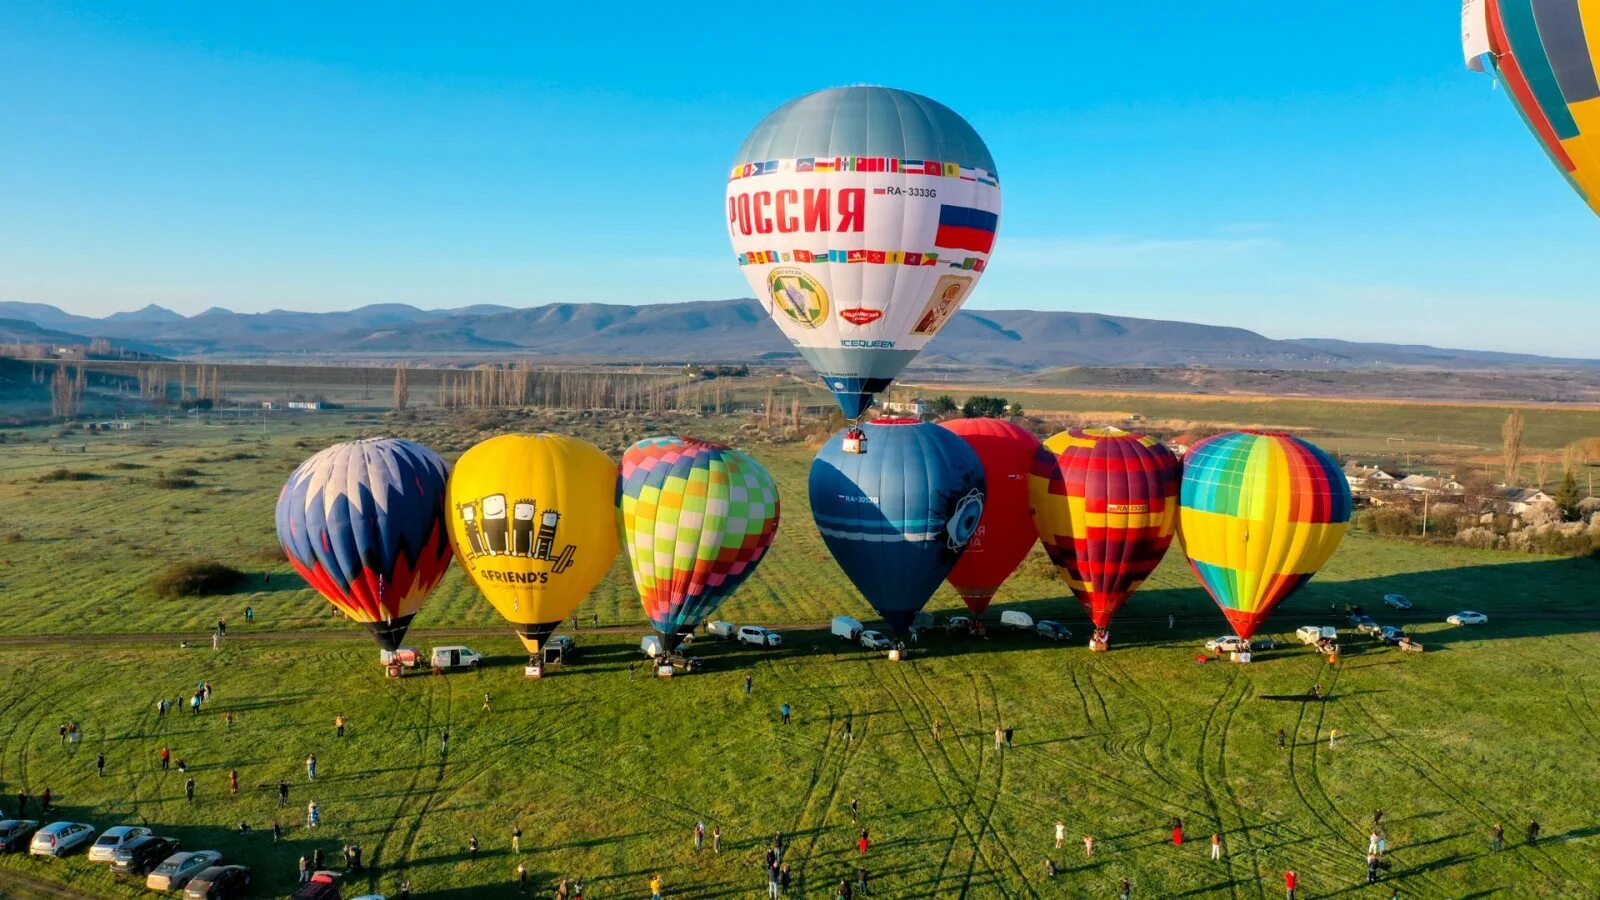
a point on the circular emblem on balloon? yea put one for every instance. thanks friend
(799, 296)
(964, 521)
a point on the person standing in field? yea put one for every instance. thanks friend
(774, 874)
(1283, 739)
(938, 730)
(488, 702)
(283, 793)
(1088, 846)
(848, 736)
(1497, 838)
(1216, 845)
(1177, 832)
(444, 742)
(999, 737)
(783, 710)
(227, 720)
(1372, 842)
(1061, 834)
(1009, 732)
(277, 830)
(188, 789)
(749, 682)
(166, 759)
(472, 847)
(655, 886)
(250, 611)
(864, 843)
(699, 835)
(522, 878)
(1333, 737)
(311, 767)
(233, 782)
(516, 839)
(1290, 882)
(861, 880)
(855, 808)
(1372, 868)
(100, 765)
(338, 725)
(1533, 832)
(44, 798)
(305, 869)
(313, 815)
(716, 839)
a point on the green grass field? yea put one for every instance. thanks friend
(606, 775)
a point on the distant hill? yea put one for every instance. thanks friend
(720, 330)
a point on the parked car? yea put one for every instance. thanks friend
(1265, 643)
(175, 871)
(1310, 634)
(922, 621)
(60, 838)
(846, 627)
(111, 839)
(875, 640)
(1467, 617)
(1396, 601)
(1228, 643)
(958, 624)
(16, 833)
(720, 629)
(761, 637)
(322, 886)
(564, 644)
(1054, 631)
(1365, 624)
(218, 883)
(1016, 619)
(456, 656)
(1391, 634)
(142, 854)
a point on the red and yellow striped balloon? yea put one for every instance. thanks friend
(1105, 502)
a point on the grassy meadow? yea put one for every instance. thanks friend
(606, 773)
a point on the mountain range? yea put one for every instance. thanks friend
(716, 331)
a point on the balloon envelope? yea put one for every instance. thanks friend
(363, 522)
(863, 217)
(1005, 532)
(1261, 512)
(1546, 54)
(897, 516)
(532, 522)
(696, 518)
(1105, 502)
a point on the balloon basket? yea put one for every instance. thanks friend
(533, 671)
(895, 655)
(1240, 656)
(394, 670)
(1099, 646)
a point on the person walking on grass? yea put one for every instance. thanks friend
(855, 808)
(283, 793)
(277, 830)
(1216, 845)
(783, 710)
(1372, 842)
(1533, 832)
(699, 835)
(488, 702)
(1333, 737)
(522, 878)
(848, 735)
(1291, 881)
(1009, 732)
(1126, 890)
(166, 759)
(313, 816)
(233, 782)
(305, 869)
(250, 611)
(716, 839)
(227, 720)
(774, 874)
(311, 767)
(1177, 832)
(516, 839)
(1061, 834)
(1372, 868)
(338, 725)
(472, 847)
(938, 730)
(1088, 846)
(1283, 739)
(864, 842)
(45, 798)
(999, 737)
(100, 765)
(655, 886)
(1497, 838)
(749, 681)
(444, 742)
(188, 789)
(861, 880)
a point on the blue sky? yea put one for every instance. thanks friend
(1321, 170)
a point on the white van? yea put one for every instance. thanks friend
(720, 629)
(456, 657)
(1310, 634)
(846, 627)
(1017, 619)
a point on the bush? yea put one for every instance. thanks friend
(66, 475)
(167, 482)
(185, 472)
(195, 579)
(127, 466)
(1478, 537)
(1389, 521)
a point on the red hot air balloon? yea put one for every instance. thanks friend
(1106, 505)
(1005, 532)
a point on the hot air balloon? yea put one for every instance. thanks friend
(898, 517)
(696, 519)
(1546, 54)
(1005, 533)
(363, 523)
(1105, 502)
(532, 522)
(863, 218)
(1260, 513)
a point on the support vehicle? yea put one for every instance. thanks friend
(456, 656)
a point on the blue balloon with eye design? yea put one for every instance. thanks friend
(898, 515)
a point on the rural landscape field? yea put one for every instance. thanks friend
(607, 771)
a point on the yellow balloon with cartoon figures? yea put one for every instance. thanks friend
(533, 521)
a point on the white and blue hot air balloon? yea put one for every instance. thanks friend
(863, 218)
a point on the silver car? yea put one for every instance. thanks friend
(176, 870)
(60, 838)
(874, 640)
(111, 839)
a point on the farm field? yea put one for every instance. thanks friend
(606, 774)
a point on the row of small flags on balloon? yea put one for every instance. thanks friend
(870, 257)
(865, 164)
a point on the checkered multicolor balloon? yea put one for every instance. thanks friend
(696, 517)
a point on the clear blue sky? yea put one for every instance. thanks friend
(1302, 169)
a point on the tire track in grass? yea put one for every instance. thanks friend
(1201, 770)
(999, 790)
(409, 841)
(1318, 810)
(420, 726)
(945, 717)
(1233, 797)
(1132, 686)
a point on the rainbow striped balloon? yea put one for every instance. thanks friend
(1261, 512)
(696, 517)
(1105, 502)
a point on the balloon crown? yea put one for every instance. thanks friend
(899, 420)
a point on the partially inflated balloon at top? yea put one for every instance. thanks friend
(1260, 513)
(696, 518)
(1546, 54)
(863, 218)
(897, 516)
(363, 522)
(1005, 533)
(531, 519)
